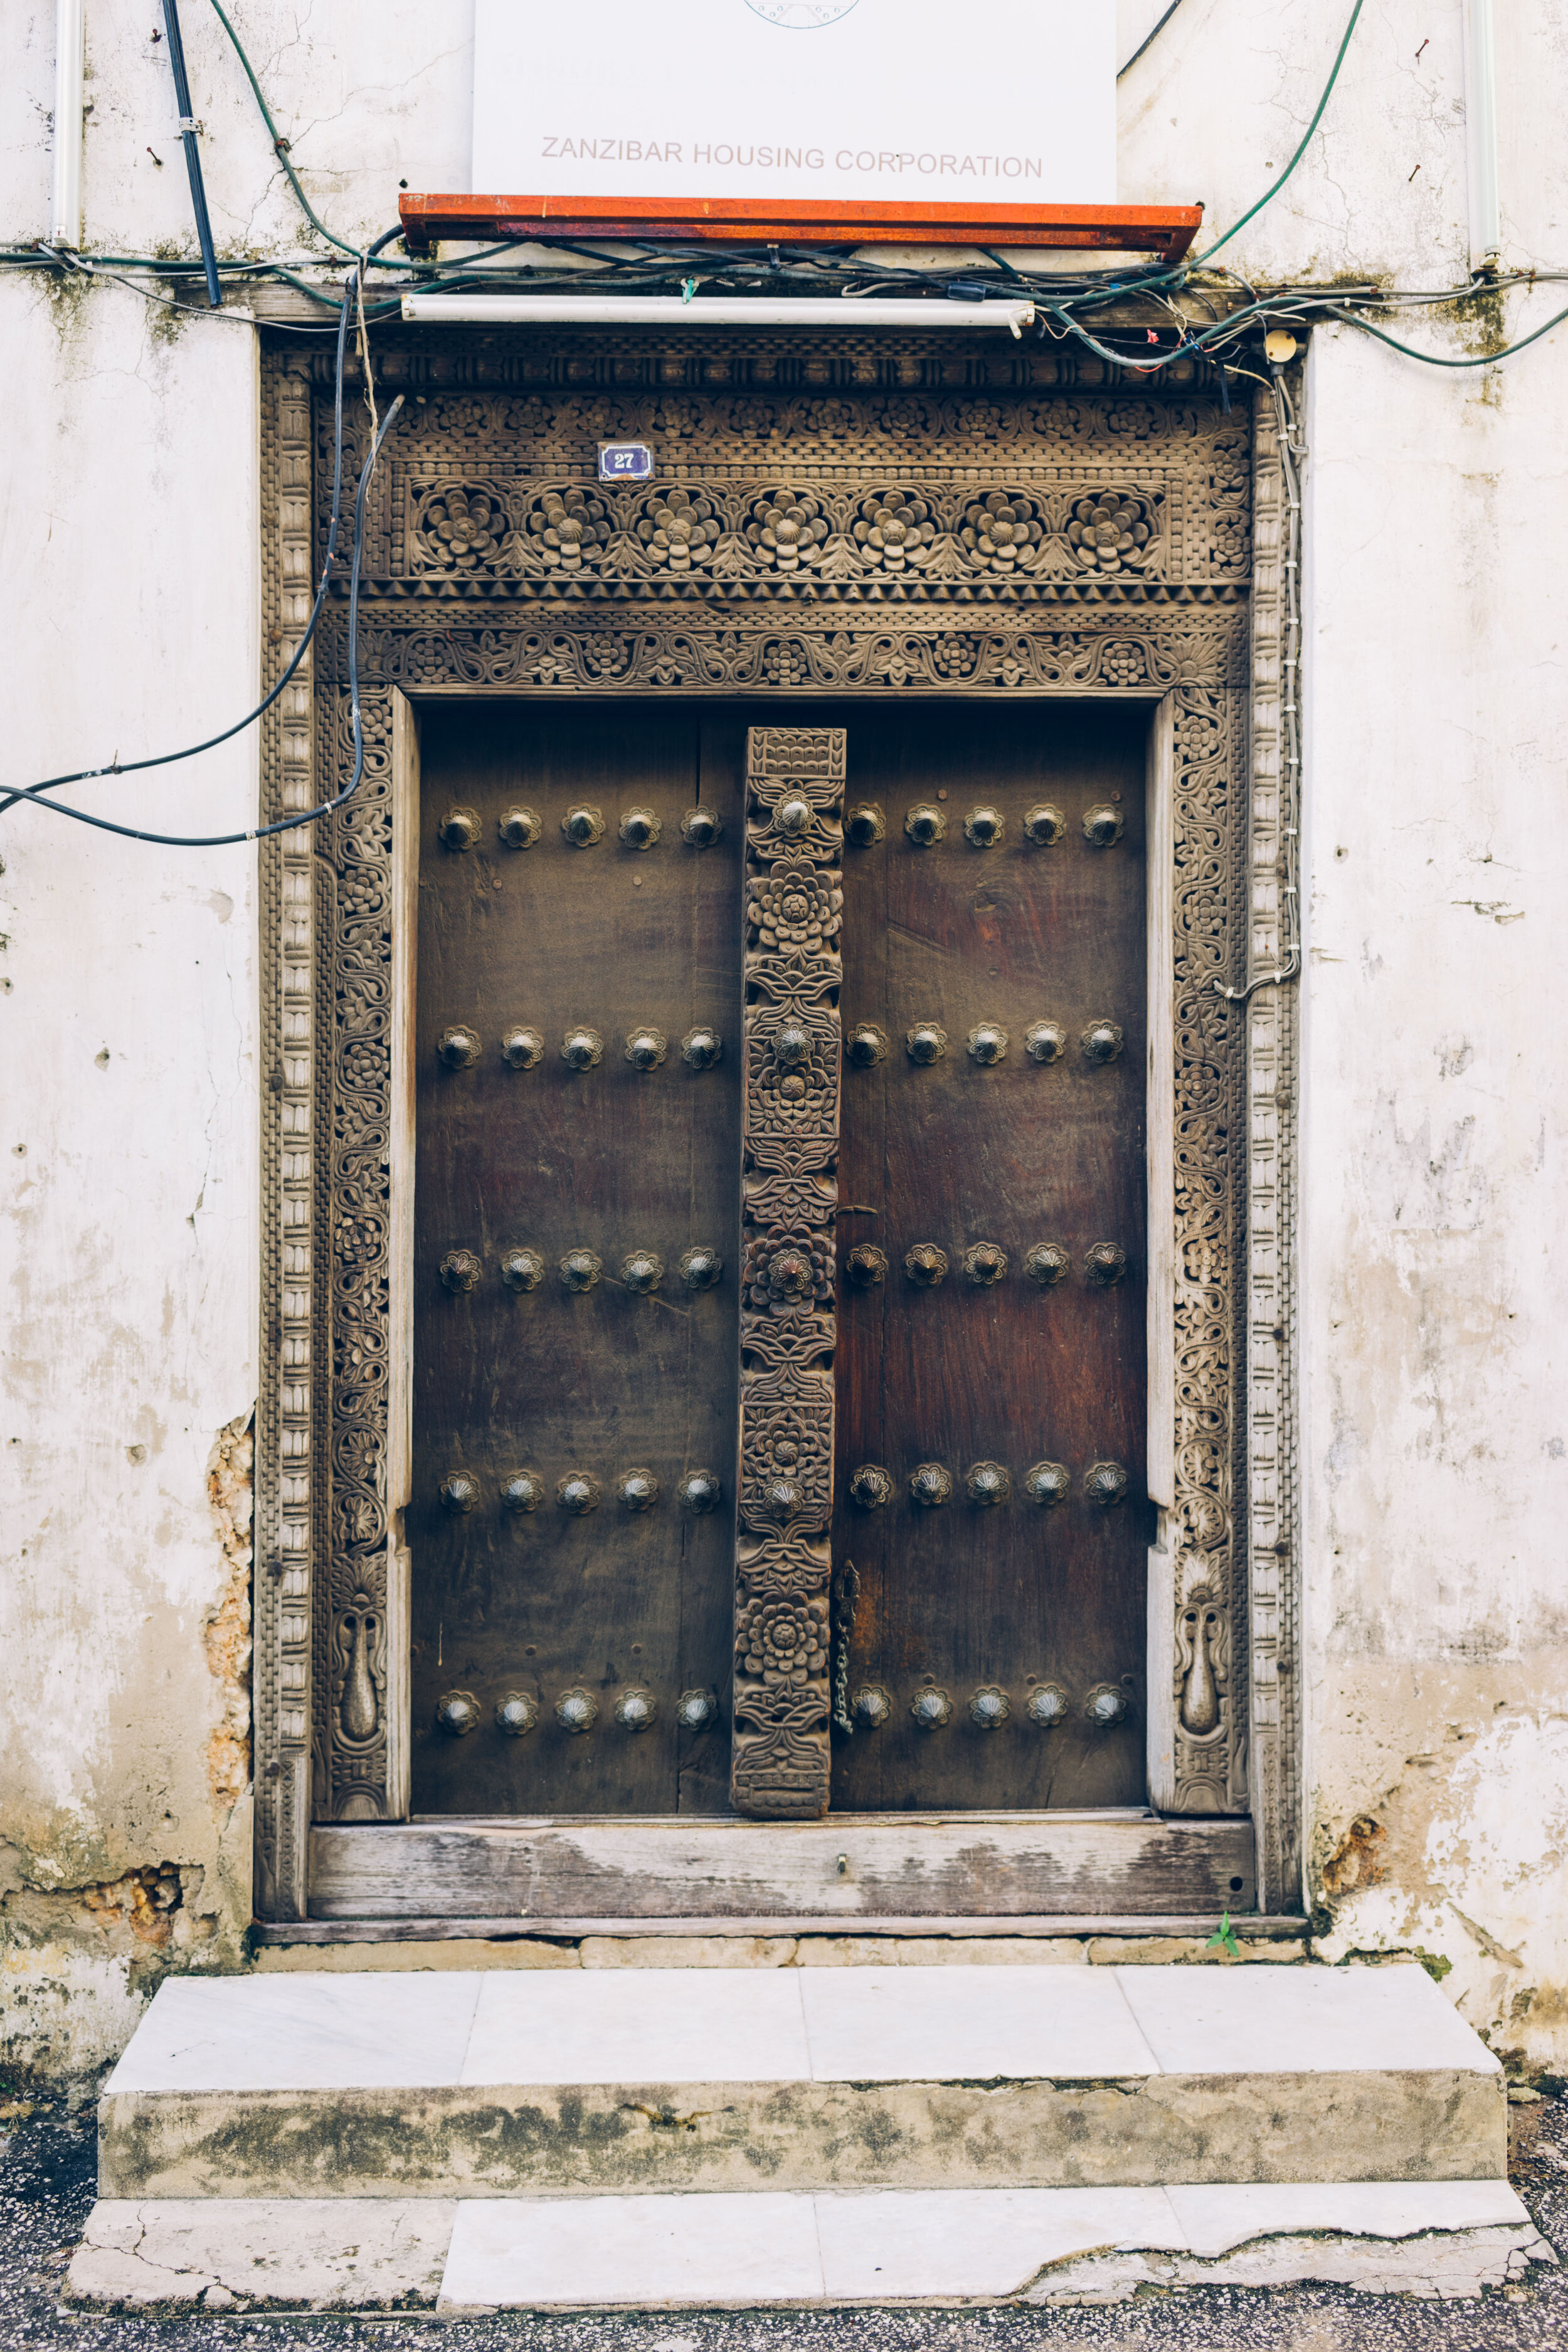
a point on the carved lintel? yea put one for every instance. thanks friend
(794, 792)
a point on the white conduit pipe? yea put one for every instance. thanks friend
(65, 211)
(587, 310)
(1481, 124)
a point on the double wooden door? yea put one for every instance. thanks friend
(581, 978)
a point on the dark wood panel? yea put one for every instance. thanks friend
(613, 1159)
(956, 1154)
(1067, 1866)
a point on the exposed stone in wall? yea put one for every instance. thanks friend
(78, 1964)
(86, 1931)
(1354, 1861)
(229, 1486)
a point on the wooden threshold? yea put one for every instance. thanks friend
(844, 1873)
(1253, 1927)
(1165, 230)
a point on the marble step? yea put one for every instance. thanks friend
(887, 2246)
(653, 2081)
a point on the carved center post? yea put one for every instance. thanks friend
(794, 803)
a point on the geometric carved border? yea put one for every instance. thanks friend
(1270, 1465)
(290, 1445)
(322, 1665)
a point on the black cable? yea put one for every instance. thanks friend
(193, 153)
(285, 823)
(165, 759)
(1148, 37)
(1431, 359)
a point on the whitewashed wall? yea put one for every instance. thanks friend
(128, 1045)
(1434, 1184)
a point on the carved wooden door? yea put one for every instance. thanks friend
(778, 1415)
(577, 1108)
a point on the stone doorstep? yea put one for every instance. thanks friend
(943, 2247)
(743, 1948)
(647, 2081)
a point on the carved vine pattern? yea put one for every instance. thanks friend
(793, 914)
(1210, 1769)
(1180, 469)
(360, 1213)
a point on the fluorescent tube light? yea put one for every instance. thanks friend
(710, 310)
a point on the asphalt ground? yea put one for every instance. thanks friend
(46, 2188)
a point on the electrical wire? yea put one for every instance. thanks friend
(1270, 192)
(279, 144)
(282, 825)
(657, 265)
(1148, 40)
(117, 767)
(1482, 359)
(77, 264)
(192, 146)
(281, 147)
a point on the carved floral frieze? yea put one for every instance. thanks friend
(512, 526)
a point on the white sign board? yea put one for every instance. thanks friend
(940, 101)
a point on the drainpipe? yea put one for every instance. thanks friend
(65, 213)
(1480, 125)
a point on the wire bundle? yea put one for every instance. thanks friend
(1066, 308)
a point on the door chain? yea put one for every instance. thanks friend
(846, 1592)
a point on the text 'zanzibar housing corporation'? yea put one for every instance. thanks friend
(869, 160)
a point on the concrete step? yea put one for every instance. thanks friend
(869, 2246)
(648, 2082)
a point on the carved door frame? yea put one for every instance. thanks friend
(864, 426)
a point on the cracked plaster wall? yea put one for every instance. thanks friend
(128, 1160)
(1434, 1175)
(1433, 1449)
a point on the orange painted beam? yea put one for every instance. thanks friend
(1166, 230)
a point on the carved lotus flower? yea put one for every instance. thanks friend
(788, 1274)
(783, 1641)
(794, 912)
(789, 1099)
(570, 527)
(1111, 533)
(679, 531)
(897, 530)
(999, 532)
(466, 528)
(788, 527)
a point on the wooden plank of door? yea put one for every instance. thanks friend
(987, 1866)
(542, 1627)
(992, 1343)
